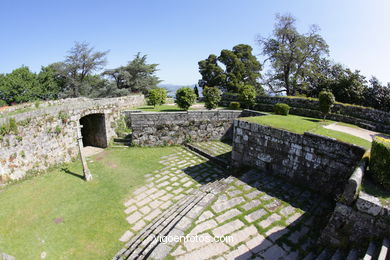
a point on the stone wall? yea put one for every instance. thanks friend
(47, 137)
(369, 118)
(153, 129)
(366, 219)
(321, 163)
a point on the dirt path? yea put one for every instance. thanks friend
(359, 132)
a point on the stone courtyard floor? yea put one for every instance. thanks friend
(260, 216)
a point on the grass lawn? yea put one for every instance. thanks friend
(300, 124)
(376, 190)
(170, 108)
(162, 108)
(68, 218)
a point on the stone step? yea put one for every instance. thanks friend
(338, 255)
(353, 255)
(217, 160)
(371, 251)
(325, 254)
(144, 244)
(122, 140)
(384, 249)
(148, 230)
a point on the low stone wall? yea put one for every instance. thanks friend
(48, 136)
(153, 129)
(369, 118)
(321, 163)
(366, 219)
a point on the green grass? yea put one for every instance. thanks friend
(18, 111)
(92, 212)
(376, 190)
(300, 124)
(162, 108)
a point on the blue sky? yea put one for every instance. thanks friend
(177, 34)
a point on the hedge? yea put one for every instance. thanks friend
(234, 105)
(380, 161)
(281, 109)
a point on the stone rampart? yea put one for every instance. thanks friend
(321, 163)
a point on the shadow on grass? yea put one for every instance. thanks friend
(370, 187)
(314, 120)
(172, 110)
(66, 170)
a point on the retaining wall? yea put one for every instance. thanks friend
(369, 118)
(321, 163)
(48, 136)
(153, 129)
(365, 219)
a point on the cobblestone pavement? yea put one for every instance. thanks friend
(262, 217)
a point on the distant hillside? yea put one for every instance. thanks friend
(172, 88)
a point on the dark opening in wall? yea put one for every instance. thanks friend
(94, 130)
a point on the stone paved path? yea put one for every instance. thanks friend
(261, 217)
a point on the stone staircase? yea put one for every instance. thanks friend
(375, 251)
(122, 142)
(146, 244)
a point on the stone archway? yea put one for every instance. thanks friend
(93, 130)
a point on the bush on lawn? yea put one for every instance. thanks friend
(212, 97)
(185, 97)
(326, 101)
(247, 94)
(380, 161)
(157, 96)
(234, 105)
(3, 103)
(281, 109)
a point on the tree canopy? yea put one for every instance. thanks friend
(241, 67)
(136, 76)
(292, 55)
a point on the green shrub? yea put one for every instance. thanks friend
(63, 116)
(9, 128)
(247, 95)
(185, 97)
(212, 97)
(234, 105)
(380, 161)
(37, 103)
(157, 96)
(281, 109)
(326, 101)
(58, 130)
(3, 103)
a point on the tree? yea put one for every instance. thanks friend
(51, 83)
(326, 101)
(241, 67)
(196, 91)
(80, 63)
(291, 55)
(136, 76)
(185, 97)
(21, 85)
(212, 97)
(377, 95)
(157, 96)
(212, 74)
(347, 86)
(247, 95)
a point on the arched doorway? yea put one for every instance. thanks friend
(94, 130)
